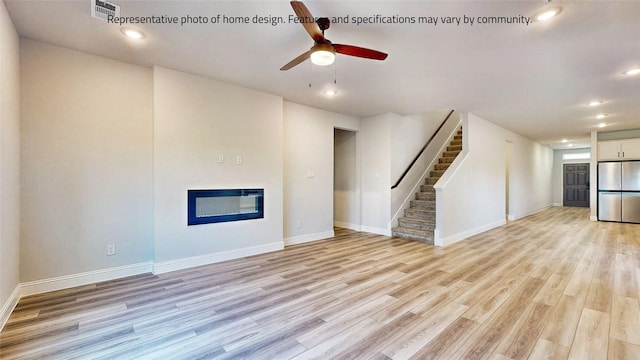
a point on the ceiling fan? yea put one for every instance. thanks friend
(323, 52)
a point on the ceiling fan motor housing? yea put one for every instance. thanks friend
(324, 23)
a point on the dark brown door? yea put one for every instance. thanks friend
(576, 185)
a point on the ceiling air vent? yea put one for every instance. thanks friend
(103, 9)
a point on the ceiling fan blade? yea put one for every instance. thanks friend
(359, 52)
(296, 61)
(307, 20)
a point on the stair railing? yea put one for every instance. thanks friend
(406, 171)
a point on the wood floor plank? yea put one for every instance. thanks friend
(501, 323)
(545, 349)
(625, 283)
(563, 322)
(592, 336)
(343, 321)
(341, 341)
(553, 285)
(625, 319)
(622, 350)
(552, 290)
(447, 342)
(413, 339)
(487, 302)
(525, 333)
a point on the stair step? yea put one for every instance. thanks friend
(450, 153)
(420, 214)
(431, 180)
(436, 173)
(420, 224)
(423, 204)
(454, 148)
(427, 189)
(457, 138)
(442, 167)
(414, 234)
(456, 142)
(427, 196)
(446, 160)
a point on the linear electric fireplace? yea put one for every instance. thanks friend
(212, 206)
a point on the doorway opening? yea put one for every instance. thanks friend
(575, 185)
(346, 208)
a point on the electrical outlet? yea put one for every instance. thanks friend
(111, 249)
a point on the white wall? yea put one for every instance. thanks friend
(195, 121)
(86, 162)
(558, 163)
(471, 198)
(9, 163)
(530, 177)
(408, 136)
(346, 199)
(308, 170)
(376, 173)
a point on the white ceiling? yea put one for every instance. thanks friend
(534, 79)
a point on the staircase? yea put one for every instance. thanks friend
(419, 219)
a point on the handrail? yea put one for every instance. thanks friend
(421, 151)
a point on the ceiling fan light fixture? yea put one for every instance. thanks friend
(323, 57)
(323, 54)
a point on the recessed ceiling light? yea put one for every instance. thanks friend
(595, 102)
(635, 71)
(565, 140)
(547, 14)
(601, 116)
(570, 145)
(601, 125)
(330, 92)
(132, 33)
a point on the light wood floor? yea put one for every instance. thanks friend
(550, 286)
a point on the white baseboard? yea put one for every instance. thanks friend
(90, 277)
(185, 263)
(308, 237)
(593, 218)
(344, 225)
(465, 234)
(8, 306)
(557, 204)
(520, 216)
(376, 230)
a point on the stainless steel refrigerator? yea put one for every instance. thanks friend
(619, 191)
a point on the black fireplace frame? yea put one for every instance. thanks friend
(192, 195)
